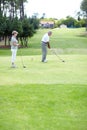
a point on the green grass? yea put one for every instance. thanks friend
(73, 71)
(45, 96)
(66, 41)
(43, 107)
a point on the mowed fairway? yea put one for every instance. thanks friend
(72, 71)
(44, 96)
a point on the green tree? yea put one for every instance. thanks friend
(35, 22)
(69, 21)
(28, 31)
(1, 24)
(84, 9)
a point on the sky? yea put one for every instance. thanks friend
(53, 8)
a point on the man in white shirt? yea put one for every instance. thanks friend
(45, 43)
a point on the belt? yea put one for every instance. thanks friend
(44, 42)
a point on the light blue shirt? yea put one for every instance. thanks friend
(14, 40)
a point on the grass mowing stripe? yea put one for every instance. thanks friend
(73, 71)
(36, 107)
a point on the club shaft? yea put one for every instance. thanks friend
(21, 59)
(56, 54)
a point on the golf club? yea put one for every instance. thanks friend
(56, 54)
(22, 60)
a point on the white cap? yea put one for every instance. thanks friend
(14, 32)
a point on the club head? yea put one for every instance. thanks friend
(24, 66)
(63, 61)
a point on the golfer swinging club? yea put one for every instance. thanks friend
(14, 47)
(44, 44)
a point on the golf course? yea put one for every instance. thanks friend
(46, 96)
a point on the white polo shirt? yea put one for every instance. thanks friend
(45, 38)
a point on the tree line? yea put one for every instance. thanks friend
(71, 22)
(12, 17)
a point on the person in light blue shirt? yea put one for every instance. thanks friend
(14, 48)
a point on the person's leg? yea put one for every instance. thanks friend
(14, 52)
(44, 52)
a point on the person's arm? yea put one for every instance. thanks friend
(48, 45)
(15, 44)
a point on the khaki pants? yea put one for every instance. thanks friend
(14, 52)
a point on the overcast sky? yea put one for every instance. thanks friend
(53, 8)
